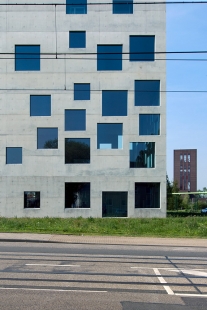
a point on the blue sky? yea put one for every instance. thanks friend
(187, 112)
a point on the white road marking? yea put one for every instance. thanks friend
(162, 280)
(191, 295)
(51, 265)
(48, 289)
(192, 272)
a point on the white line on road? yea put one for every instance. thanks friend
(50, 290)
(162, 280)
(51, 265)
(191, 295)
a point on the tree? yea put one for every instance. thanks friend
(173, 201)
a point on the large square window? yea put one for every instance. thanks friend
(109, 136)
(114, 102)
(147, 93)
(76, 6)
(77, 39)
(14, 155)
(77, 195)
(114, 204)
(75, 120)
(27, 57)
(31, 200)
(122, 6)
(142, 154)
(147, 195)
(149, 124)
(47, 138)
(81, 91)
(40, 105)
(109, 57)
(77, 151)
(141, 48)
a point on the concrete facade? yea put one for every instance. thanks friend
(45, 170)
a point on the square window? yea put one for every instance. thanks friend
(76, 6)
(40, 105)
(142, 154)
(77, 39)
(109, 57)
(77, 195)
(122, 6)
(82, 91)
(149, 124)
(109, 136)
(47, 138)
(147, 93)
(114, 102)
(141, 48)
(27, 57)
(147, 195)
(32, 200)
(77, 151)
(14, 155)
(75, 120)
(114, 204)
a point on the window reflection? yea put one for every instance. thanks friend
(142, 155)
(149, 124)
(114, 102)
(109, 136)
(77, 195)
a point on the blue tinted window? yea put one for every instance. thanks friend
(122, 6)
(75, 120)
(114, 204)
(82, 91)
(13, 155)
(147, 93)
(149, 124)
(109, 136)
(109, 57)
(77, 151)
(47, 138)
(114, 102)
(40, 105)
(76, 6)
(77, 39)
(147, 195)
(142, 154)
(27, 57)
(142, 48)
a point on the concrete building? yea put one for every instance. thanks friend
(185, 169)
(82, 109)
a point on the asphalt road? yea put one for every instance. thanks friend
(91, 276)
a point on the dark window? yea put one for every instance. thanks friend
(77, 39)
(82, 91)
(109, 57)
(114, 102)
(77, 151)
(40, 105)
(32, 200)
(14, 155)
(47, 138)
(147, 195)
(122, 6)
(142, 155)
(77, 195)
(27, 57)
(114, 204)
(147, 93)
(75, 120)
(142, 48)
(149, 124)
(109, 136)
(76, 6)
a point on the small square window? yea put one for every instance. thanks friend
(31, 200)
(77, 39)
(122, 6)
(114, 102)
(82, 91)
(27, 57)
(75, 120)
(114, 204)
(47, 138)
(14, 155)
(142, 48)
(147, 93)
(109, 57)
(149, 124)
(76, 6)
(77, 151)
(142, 154)
(109, 136)
(147, 195)
(77, 195)
(40, 105)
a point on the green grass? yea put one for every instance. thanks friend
(168, 227)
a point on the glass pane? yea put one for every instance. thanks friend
(40, 105)
(13, 155)
(77, 151)
(109, 57)
(82, 91)
(122, 6)
(147, 93)
(114, 204)
(147, 195)
(76, 6)
(142, 154)
(149, 124)
(47, 138)
(27, 57)
(75, 120)
(109, 136)
(77, 39)
(114, 102)
(31, 199)
(77, 195)
(142, 48)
